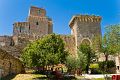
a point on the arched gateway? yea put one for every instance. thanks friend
(86, 41)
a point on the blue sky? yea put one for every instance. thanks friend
(60, 11)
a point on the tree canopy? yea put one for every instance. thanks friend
(112, 38)
(88, 53)
(111, 42)
(48, 50)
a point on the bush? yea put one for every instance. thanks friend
(110, 65)
(100, 67)
(96, 71)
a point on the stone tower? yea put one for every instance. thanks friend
(85, 28)
(39, 23)
(36, 26)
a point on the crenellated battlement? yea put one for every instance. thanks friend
(17, 24)
(84, 18)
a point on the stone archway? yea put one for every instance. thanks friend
(86, 41)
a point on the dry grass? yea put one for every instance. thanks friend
(27, 76)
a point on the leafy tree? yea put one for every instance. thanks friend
(110, 64)
(72, 63)
(48, 50)
(82, 60)
(113, 38)
(111, 42)
(76, 62)
(89, 53)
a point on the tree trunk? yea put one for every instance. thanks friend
(106, 57)
(106, 60)
(88, 64)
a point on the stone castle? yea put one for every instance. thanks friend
(84, 28)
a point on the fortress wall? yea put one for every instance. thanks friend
(69, 43)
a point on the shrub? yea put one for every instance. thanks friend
(110, 65)
(96, 71)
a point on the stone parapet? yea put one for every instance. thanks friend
(18, 24)
(84, 18)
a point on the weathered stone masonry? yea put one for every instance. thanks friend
(9, 64)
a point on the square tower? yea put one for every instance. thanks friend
(86, 29)
(36, 26)
(39, 23)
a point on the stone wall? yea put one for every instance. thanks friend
(21, 29)
(5, 41)
(9, 64)
(69, 43)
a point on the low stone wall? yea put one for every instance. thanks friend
(9, 64)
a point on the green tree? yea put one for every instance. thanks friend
(113, 38)
(111, 42)
(82, 60)
(72, 63)
(89, 53)
(76, 62)
(48, 50)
